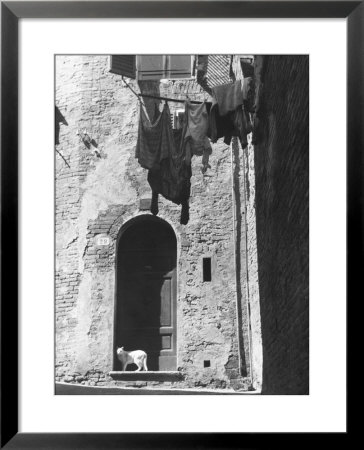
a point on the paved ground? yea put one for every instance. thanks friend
(73, 389)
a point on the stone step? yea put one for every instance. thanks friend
(76, 389)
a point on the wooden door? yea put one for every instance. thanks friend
(146, 293)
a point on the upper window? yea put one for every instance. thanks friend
(153, 67)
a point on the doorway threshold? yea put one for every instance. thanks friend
(147, 375)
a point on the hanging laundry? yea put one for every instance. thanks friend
(219, 126)
(171, 177)
(235, 123)
(195, 129)
(154, 139)
(228, 114)
(242, 125)
(228, 96)
(249, 94)
(169, 169)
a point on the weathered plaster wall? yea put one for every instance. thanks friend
(89, 98)
(101, 191)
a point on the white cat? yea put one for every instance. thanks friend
(137, 357)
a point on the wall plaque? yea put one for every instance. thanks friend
(102, 240)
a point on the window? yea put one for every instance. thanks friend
(153, 67)
(206, 269)
(177, 119)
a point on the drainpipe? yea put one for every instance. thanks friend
(247, 270)
(237, 230)
(236, 261)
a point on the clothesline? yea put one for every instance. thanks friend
(159, 98)
(166, 152)
(177, 100)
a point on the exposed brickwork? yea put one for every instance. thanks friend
(281, 172)
(97, 195)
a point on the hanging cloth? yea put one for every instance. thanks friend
(171, 177)
(195, 129)
(154, 139)
(249, 94)
(228, 96)
(235, 123)
(228, 114)
(159, 149)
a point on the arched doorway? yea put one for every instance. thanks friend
(145, 314)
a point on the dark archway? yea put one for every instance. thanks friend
(145, 312)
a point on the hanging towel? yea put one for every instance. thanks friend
(160, 151)
(228, 96)
(154, 139)
(172, 177)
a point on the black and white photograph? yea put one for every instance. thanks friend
(181, 206)
(181, 224)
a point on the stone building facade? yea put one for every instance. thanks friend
(215, 324)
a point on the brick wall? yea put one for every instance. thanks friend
(281, 173)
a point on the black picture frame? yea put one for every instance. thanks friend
(11, 12)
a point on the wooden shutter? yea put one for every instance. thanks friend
(150, 67)
(179, 66)
(156, 67)
(123, 65)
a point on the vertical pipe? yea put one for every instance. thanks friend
(235, 174)
(247, 268)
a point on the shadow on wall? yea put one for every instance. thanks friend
(59, 119)
(282, 215)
